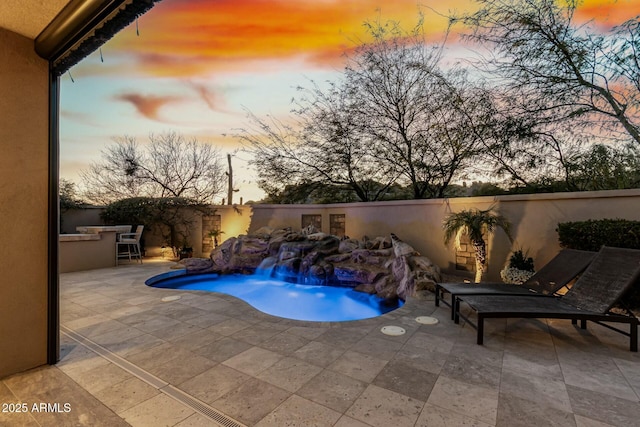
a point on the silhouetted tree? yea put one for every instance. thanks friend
(606, 168)
(563, 70)
(169, 166)
(324, 145)
(68, 198)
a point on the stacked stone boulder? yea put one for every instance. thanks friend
(385, 266)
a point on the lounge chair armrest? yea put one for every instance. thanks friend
(128, 237)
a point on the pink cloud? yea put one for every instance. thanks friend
(148, 105)
(212, 98)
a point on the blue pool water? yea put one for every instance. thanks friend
(283, 299)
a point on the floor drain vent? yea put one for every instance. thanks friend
(426, 320)
(392, 330)
(202, 408)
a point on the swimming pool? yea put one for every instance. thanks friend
(283, 299)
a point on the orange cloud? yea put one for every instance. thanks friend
(189, 37)
(147, 105)
(607, 13)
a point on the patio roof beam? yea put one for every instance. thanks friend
(83, 26)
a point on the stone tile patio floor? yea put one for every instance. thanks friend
(267, 371)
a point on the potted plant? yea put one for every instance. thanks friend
(519, 269)
(186, 251)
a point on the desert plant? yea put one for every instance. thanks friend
(520, 261)
(519, 268)
(214, 235)
(475, 223)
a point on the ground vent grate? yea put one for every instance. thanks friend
(202, 408)
(166, 388)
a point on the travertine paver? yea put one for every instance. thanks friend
(289, 373)
(359, 366)
(251, 401)
(267, 371)
(126, 394)
(333, 390)
(466, 399)
(381, 407)
(160, 410)
(297, 411)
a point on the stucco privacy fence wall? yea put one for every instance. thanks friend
(534, 218)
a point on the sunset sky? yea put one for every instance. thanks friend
(198, 65)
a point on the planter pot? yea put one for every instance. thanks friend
(186, 253)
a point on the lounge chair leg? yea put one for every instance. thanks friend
(574, 321)
(455, 309)
(480, 330)
(583, 324)
(437, 295)
(634, 337)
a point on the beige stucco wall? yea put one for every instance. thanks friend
(23, 204)
(418, 222)
(87, 252)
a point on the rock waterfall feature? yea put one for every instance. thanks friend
(385, 266)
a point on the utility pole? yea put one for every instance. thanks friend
(230, 187)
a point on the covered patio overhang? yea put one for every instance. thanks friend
(39, 41)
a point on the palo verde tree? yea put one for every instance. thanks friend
(563, 70)
(169, 166)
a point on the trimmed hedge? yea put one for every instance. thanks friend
(592, 234)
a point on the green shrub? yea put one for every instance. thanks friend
(592, 234)
(521, 261)
(172, 217)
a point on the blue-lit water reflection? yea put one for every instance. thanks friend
(288, 300)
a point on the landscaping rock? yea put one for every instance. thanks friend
(196, 265)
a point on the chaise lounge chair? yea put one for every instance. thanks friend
(611, 273)
(555, 275)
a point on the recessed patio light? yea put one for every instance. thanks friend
(426, 320)
(392, 330)
(171, 298)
